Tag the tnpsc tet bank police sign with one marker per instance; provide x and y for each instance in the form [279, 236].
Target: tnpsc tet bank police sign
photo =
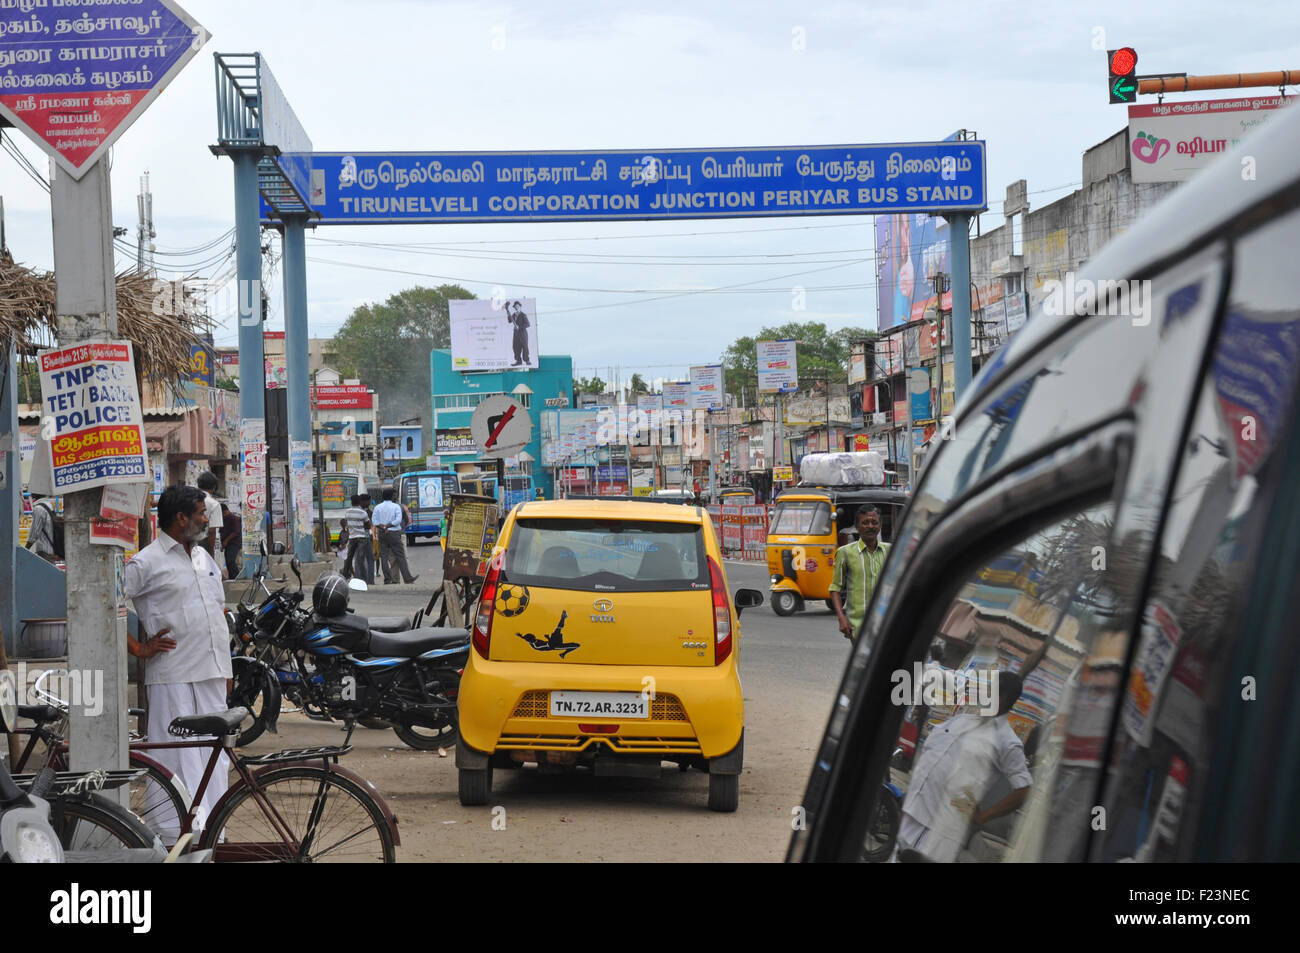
[384, 188]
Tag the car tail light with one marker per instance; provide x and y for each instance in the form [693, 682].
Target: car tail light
[721, 614]
[486, 603]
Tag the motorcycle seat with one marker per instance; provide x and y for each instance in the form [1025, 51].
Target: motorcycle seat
[415, 642]
[390, 623]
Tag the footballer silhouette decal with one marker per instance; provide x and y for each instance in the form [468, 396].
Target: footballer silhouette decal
[555, 642]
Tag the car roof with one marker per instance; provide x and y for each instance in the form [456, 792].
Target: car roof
[622, 509]
[1190, 217]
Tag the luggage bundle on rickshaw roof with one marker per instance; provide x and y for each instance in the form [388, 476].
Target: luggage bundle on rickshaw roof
[863, 468]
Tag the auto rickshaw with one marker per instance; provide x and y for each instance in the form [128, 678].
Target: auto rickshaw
[737, 496]
[808, 525]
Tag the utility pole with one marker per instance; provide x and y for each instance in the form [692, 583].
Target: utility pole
[86, 305]
[144, 231]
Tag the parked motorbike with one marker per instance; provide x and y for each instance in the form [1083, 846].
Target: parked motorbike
[337, 665]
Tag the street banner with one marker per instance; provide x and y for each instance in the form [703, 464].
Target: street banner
[677, 394]
[454, 441]
[341, 397]
[1171, 142]
[300, 474]
[119, 512]
[778, 367]
[706, 387]
[90, 411]
[918, 391]
[252, 468]
[493, 335]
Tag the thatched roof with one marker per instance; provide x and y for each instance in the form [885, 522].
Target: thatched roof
[161, 342]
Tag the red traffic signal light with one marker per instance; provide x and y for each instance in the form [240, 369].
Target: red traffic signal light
[1121, 84]
[1123, 61]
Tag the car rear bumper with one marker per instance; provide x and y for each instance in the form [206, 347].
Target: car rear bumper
[694, 712]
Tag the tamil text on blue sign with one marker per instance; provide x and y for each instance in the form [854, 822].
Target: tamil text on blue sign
[368, 188]
[90, 411]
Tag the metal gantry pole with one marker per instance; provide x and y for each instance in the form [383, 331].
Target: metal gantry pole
[248, 269]
[298, 398]
[959, 230]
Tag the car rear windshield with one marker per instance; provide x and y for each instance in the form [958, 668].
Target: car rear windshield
[607, 555]
[801, 518]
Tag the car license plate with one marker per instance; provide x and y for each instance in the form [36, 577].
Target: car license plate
[599, 705]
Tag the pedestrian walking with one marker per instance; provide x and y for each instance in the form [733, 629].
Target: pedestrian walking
[392, 555]
[857, 567]
[361, 558]
[208, 484]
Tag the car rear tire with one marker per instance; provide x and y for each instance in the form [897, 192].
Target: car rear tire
[475, 786]
[724, 792]
[785, 602]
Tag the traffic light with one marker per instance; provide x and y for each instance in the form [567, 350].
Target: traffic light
[1122, 82]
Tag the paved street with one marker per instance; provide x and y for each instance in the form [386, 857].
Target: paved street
[790, 669]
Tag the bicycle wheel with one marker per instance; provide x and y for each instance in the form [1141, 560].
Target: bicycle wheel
[330, 819]
[92, 822]
[159, 798]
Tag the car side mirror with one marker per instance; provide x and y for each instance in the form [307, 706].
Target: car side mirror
[747, 599]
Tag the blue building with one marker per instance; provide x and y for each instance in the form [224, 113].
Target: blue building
[455, 394]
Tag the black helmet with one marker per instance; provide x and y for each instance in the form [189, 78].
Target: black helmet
[330, 597]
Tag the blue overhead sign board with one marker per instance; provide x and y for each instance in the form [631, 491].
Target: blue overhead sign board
[362, 188]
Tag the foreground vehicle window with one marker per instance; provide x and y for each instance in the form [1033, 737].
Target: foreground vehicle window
[1010, 710]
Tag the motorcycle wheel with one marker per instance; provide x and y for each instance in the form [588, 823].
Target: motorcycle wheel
[883, 831]
[248, 691]
[425, 738]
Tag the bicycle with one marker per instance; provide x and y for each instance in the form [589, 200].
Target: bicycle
[284, 806]
[157, 797]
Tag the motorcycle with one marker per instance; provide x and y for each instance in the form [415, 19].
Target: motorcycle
[379, 673]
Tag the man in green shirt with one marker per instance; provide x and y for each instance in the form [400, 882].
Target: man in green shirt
[857, 567]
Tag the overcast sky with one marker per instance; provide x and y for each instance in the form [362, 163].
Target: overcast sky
[430, 76]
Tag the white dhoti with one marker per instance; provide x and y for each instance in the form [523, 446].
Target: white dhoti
[172, 700]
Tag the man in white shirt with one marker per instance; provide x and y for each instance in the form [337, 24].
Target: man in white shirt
[953, 772]
[208, 484]
[392, 556]
[176, 588]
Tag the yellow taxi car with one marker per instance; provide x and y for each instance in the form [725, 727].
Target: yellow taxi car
[604, 637]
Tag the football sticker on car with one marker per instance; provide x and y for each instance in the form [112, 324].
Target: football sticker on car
[511, 599]
[555, 642]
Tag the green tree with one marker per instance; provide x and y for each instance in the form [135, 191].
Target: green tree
[588, 385]
[637, 385]
[388, 345]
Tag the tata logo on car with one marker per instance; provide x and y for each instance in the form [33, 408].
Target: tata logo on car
[603, 609]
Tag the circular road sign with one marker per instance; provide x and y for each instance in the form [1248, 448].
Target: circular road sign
[500, 427]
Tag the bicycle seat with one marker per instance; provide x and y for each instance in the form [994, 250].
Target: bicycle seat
[389, 623]
[415, 642]
[213, 723]
[39, 713]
